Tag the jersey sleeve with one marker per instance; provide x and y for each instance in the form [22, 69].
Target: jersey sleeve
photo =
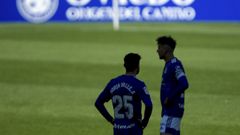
[105, 95]
[182, 82]
[179, 71]
[144, 95]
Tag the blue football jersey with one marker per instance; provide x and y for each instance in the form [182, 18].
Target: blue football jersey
[126, 93]
[174, 83]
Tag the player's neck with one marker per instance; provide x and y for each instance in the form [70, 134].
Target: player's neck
[168, 57]
[131, 73]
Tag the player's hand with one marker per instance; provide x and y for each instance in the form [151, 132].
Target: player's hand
[139, 123]
[112, 121]
[144, 123]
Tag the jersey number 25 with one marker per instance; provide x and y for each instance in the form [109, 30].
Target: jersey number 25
[123, 103]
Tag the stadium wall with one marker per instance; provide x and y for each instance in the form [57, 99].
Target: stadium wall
[40, 11]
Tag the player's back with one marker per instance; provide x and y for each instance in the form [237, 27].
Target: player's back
[126, 100]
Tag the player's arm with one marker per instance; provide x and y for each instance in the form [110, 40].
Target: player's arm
[147, 115]
[105, 96]
[148, 106]
[182, 83]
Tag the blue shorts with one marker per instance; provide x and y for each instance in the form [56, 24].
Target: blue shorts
[132, 129]
[170, 125]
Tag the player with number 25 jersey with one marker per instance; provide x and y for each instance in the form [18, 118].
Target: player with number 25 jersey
[127, 94]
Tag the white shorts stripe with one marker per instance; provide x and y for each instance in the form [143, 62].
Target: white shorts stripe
[169, 122]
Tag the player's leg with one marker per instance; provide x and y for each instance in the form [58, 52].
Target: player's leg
[177, 133]
[170, 125]
[165, 134]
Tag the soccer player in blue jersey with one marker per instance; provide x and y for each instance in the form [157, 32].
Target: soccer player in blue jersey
[174, 83]
[127, 94]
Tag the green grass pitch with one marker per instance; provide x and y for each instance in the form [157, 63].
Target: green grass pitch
[51, 74]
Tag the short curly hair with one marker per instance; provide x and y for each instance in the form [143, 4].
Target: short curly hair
[131, 61]
[166, 40]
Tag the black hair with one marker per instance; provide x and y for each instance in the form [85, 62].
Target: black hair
[166, 40]
[131, 61]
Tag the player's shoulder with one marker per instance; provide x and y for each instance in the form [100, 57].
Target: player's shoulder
[175, 62]
[136, 81]
[117, 78]
[141, 82]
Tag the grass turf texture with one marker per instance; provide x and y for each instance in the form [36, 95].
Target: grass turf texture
[50, 75]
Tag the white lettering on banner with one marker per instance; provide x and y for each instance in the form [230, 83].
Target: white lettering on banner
[157, 2]
[168, 13]
[89, 13]
[150, 10]
[138, 2]
[183, 2]
[104, 13]
[133, 2]
[78, 2]
[132, 13]
[123, 2]
[103, 2]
